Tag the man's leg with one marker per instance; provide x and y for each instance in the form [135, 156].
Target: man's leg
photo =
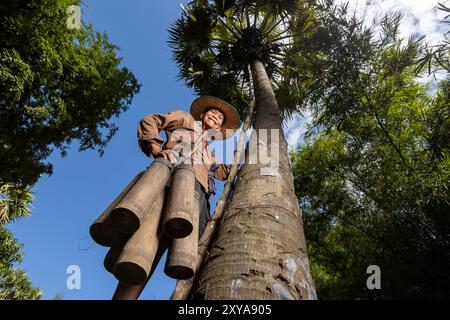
[204, 216]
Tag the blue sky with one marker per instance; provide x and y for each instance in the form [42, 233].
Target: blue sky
[83, 184]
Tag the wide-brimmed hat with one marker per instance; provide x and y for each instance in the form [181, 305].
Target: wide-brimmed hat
[231, 117]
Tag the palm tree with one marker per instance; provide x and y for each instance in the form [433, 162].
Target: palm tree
[15, 202]
[230, 48]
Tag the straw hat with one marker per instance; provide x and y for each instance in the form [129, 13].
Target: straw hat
[231, 117]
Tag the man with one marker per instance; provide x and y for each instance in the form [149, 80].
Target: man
[183, 129]
[207, 115]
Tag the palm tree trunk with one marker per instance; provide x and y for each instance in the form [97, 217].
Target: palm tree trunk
[260, 249]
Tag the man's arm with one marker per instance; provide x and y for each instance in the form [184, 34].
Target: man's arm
[149, 128]
[221, 171]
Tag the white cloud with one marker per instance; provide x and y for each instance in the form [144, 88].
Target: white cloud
[295, 128]
[420, 17]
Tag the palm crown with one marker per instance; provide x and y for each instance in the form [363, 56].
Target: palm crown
[215, 41]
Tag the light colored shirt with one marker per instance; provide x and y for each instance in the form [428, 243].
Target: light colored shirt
[181, 127]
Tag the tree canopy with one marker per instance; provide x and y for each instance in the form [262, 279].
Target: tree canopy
[215, 41]
[373, 175]
[57, 85]
[14, 283]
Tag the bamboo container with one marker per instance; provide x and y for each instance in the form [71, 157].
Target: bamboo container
[113, 254]
[130, 211]
[180, 208]
[182, 258]
[101, 230]
[134, 263]
[126, 291]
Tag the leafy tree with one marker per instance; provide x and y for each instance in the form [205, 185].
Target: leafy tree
[14, 283]
[57, 85]
[373, 174]
[58, 296]
[437, 57]
[14, 203]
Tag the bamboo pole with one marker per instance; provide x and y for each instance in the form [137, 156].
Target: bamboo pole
[180, 211]
[183, 287]
[131, 210]
[182, 256]
[101, 230]
[136, 259]
[114, 253]
[126, 291]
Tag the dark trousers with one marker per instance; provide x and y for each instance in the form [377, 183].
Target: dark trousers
[200, 196]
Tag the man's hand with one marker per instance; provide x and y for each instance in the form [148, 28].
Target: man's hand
[166, 154]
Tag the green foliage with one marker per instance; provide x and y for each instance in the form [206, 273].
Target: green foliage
[58, 296]
[14, 202]
[14, 283]
[373, 176]
[437, 57]
[10, 250]
[308, 47]
[215, 41]
[57, 85]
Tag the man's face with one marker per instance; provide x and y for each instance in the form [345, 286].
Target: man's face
[213, 119]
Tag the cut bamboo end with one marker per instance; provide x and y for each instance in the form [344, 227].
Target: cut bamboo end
[178, 228]
[181, 207]
[102, 230]
[104, 234]
[182, 269]
[125, 220]
[179, 272]
[182, 258]
[126, 291]
[111, 258]
[128, 214]
[130, 272]
[113, 254]
[136, 259]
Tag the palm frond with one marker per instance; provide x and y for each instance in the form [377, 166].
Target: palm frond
[15, 202]
[213, 43]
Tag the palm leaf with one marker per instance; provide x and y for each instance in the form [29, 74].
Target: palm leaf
[212, 42]
[15, 202]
